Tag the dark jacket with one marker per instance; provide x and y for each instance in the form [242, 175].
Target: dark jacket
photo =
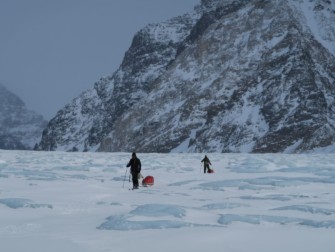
[206, 161]
[135, 165]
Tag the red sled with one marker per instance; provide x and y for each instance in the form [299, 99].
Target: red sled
[210, 170]
[148, 181]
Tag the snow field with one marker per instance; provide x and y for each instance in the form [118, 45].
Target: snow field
[57, 201]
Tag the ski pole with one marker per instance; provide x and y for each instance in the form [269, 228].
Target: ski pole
[125, 175]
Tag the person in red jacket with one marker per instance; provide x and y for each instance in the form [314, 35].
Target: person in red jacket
[206, 162]
[135, 169]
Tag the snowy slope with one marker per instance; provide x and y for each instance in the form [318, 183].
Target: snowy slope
[319, 17]
[69, 202]
[232, 76]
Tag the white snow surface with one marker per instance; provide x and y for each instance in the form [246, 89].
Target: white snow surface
[71, 202]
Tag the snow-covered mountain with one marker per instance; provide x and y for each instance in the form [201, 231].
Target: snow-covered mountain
[232, 76]
[20, 128]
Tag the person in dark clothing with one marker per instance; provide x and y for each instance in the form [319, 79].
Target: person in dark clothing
[206, 162]
[135, 169]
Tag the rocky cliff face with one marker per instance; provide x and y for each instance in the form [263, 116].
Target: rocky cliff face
[20, 128]
[234, 76]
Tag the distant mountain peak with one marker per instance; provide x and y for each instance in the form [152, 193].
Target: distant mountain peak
[20, 128]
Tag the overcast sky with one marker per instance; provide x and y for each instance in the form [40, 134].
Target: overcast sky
[52, 50]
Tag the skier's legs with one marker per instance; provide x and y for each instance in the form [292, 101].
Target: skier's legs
[135, 180]
[206, 168]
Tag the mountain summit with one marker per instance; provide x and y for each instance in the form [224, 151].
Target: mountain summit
[232, 76]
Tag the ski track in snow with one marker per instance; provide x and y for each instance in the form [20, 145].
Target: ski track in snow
[55, 194]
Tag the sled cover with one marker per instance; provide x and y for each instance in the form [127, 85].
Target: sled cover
[148, 181]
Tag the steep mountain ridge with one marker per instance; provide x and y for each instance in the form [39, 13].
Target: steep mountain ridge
[244, 76]
[20, 128]
[259, 88]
